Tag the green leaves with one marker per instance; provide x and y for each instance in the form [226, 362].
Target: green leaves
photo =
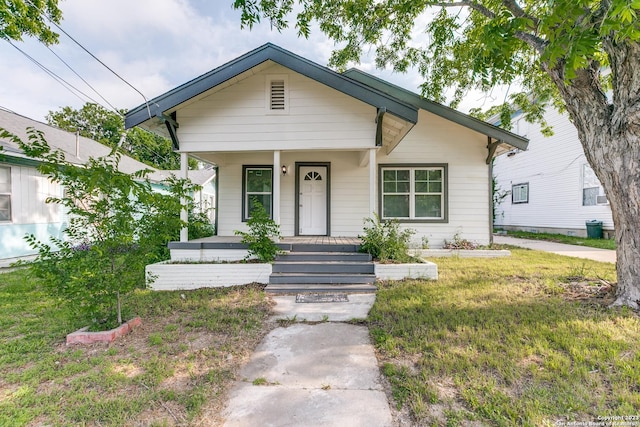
[20, 18]
[117, 224]
[262, 231]
[107, 127]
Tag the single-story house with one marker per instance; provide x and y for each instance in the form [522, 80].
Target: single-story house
[323, 150]
[550, 188]
[24, 190]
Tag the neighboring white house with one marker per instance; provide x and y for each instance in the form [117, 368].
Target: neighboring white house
[322, 150]
[23, 190]
[551, 186]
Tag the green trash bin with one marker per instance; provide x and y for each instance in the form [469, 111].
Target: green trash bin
[594, 229]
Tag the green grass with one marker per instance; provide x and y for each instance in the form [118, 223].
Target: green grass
[174, 369]
[508, 342]
[570, 240]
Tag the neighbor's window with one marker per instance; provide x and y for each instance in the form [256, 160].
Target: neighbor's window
[5, 194]
[413, 192]
[592, 191]
[257, 186]
[520, 193]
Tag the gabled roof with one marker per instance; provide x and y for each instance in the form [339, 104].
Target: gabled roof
[77, 149]
[269, 52]
[455, 116]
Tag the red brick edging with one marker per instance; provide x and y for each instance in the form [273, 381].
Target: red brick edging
[82, 336]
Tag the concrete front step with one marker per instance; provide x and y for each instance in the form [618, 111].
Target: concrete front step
[324, 257]
[320, 267]
[278, 278]
[294, 288]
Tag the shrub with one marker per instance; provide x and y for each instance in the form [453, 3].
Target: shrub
[117, 225]
[262, 232]
[385, 241]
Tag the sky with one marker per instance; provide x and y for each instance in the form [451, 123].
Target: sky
[155, 45]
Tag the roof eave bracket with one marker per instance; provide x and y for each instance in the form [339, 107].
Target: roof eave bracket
[172, 128]
[492, 147]
[379, 117]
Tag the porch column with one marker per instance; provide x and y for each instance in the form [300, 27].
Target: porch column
[184, 214]
[372, 181]
[276, 186]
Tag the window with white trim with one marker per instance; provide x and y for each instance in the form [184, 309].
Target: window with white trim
[592, 190]
[257, 187]
[5, 194]
[413, 192]
[520, 193]
[277, 95]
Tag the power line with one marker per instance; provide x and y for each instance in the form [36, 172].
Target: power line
[53, 75]
[92, 55]
[85, 82]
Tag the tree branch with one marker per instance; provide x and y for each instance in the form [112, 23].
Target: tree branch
[471, 4]
[531, 39]
[518, 12]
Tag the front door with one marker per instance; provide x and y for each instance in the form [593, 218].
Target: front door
[312, 201]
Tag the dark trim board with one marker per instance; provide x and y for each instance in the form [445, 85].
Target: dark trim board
[297, 195]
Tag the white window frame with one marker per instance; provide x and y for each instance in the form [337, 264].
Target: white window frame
[517, 197]
[5, 193]
[246, 194]
[412, 168]
[269, 79]
[587, 183]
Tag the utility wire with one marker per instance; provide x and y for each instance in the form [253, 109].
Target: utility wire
[56, 77]
[92, 55]
[85, 82]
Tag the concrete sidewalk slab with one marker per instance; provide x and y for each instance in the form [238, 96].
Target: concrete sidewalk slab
[323, 374]
[357, 307]
[603, 255]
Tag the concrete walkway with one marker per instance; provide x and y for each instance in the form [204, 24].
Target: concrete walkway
[322, 374]
[604, 255]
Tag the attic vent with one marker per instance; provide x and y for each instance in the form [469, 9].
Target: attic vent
[277, 95]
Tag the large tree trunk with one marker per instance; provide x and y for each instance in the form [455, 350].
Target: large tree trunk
[619, 171]
[609, 130]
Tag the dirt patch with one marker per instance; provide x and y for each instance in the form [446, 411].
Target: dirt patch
[175, 362]
[594, 290]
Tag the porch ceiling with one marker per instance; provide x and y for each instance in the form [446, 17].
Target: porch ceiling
[393, 130]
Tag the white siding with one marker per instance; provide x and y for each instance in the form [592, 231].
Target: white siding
[236, 118]
[436, 140]
[349, 190]
[553, 168]
[29, 191]
[234, 128]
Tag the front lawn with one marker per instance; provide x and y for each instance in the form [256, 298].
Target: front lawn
[526, 340]
[569, 240]
[173, 370]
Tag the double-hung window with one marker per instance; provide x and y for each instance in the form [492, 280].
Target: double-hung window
[257, 187]
[5, 194]
[414, 192]
[520, 193]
